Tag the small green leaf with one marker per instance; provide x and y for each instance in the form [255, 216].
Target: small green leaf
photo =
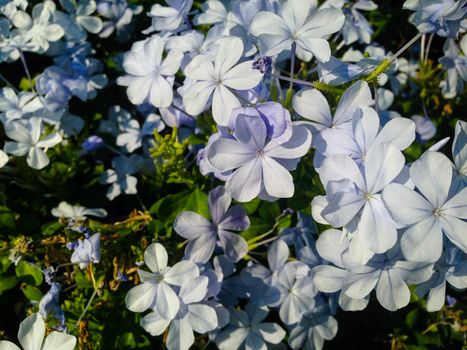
[7, 282]
[29, 274]
[31, 292]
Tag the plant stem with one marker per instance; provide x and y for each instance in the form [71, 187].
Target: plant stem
[86, 308]
[428, 47]
[26, 69]
[292, 63]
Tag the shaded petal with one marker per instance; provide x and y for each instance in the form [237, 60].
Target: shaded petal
[376, 229]
[456, 230]
[296, 147]
[391, 291]
[202, 318]
[227, 154]
[400, 132]
[218, 201]
[356, 96]
[423, 241]
[196, 97]
[433, 184]
[235, 246]
[382, 164]
[200, 249]
[235, 219]
[245, 182]
[328, 279]
[312, 105]
[191, 225]
[406, 206]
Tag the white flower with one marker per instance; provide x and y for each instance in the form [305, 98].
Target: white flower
[27, 135]
[31, 337]
[15, 106]
[297, 23]
[218, 80]
[39, 29]
[76, 212]
[149, 78]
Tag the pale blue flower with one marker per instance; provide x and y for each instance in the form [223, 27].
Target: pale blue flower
[87, 251]
[27, 140]
[312, 330]
[132, 135]
[442, 17]
[432, 212]
[31, 335]
[50, 305]
[169, 18]
[313, 106]
[76, 212]
[424, 127]
[367, 133]
[78, 19]
[260, 165]
[246, 331]
[121, 176]
[15, 106]
[353, 197]
[203, 235]
[40, 29]
[218, 82]
[156, 290]
[119, 14]
[150, 77]
[193, 316]
[450, 268]
[455, 66]
[297, 23]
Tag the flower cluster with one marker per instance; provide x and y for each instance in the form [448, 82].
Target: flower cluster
[259, 113]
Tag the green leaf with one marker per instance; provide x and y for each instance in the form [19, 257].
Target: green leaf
[7, 217]
[197, 201]
[31, 292]
[257, 227]
[269, 211]
[7, 282]
[29, 274]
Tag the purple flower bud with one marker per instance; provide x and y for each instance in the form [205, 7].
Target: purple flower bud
[92, 143]
[122, 277]
[72, 245]
[263, 64]
[451, 300]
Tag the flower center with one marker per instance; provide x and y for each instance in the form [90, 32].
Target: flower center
[437, 212]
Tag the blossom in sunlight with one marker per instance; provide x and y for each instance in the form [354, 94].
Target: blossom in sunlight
[298, 23]
[31, 336]
[156, 290]
[149, 76]
[220, 81]
[261, 165]
[431, 211]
